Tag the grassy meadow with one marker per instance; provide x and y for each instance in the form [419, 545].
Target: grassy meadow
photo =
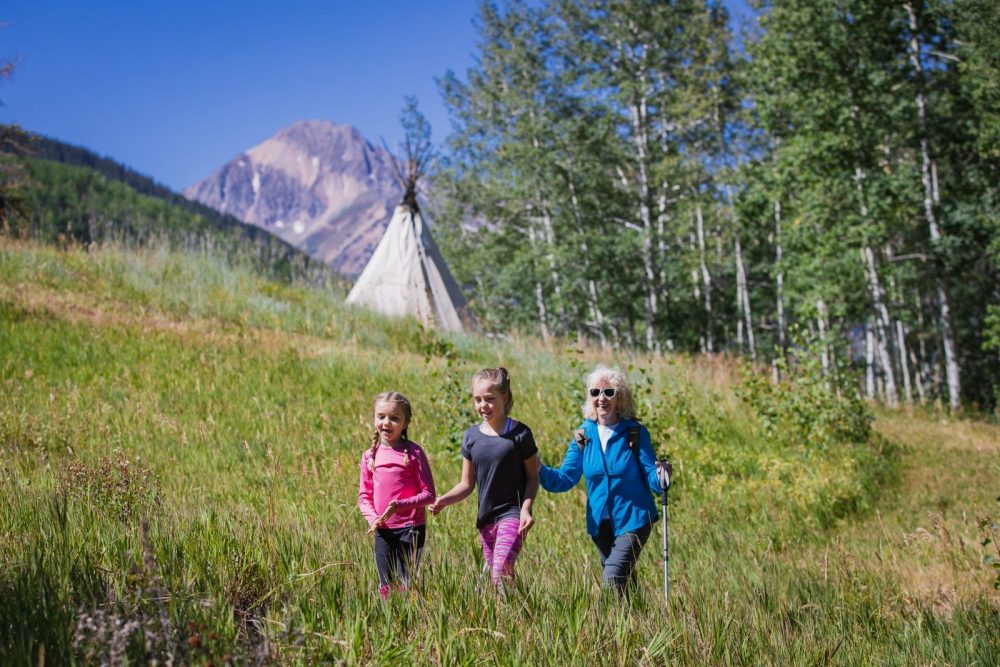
[179, 446]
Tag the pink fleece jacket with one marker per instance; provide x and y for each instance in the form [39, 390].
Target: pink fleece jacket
[410, 485]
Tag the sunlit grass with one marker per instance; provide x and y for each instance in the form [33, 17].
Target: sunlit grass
[230, 412]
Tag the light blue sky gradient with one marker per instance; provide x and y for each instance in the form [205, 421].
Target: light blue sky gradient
[176, 89]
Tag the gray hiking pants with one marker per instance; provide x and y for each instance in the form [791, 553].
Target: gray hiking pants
[618, 554]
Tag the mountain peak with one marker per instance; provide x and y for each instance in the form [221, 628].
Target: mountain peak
[321, 131]
[320, 186]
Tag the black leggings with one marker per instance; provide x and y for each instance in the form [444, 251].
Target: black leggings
[397, 553]
[618, 554]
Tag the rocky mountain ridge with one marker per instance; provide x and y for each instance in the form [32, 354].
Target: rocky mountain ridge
[321, 187]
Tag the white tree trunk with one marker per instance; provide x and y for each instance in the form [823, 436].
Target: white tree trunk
[743, 294]
[640, 141]
[779, 282]
[900, 335]
[543, 316]
[549, 238]
[706, 279]
[550, 244]
[882, 324]
[744, 298]
[904, 366]
[918, 377]
[596, 316]
[869, 361]
[882, 319]
[924, 374]
[662, 203]
[931, 201]
[696, 291]
[824, 350]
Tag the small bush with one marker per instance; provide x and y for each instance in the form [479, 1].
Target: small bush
[121, 487]
[807, 407]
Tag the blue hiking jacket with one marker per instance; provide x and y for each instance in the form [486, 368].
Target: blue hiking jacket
[612, 477]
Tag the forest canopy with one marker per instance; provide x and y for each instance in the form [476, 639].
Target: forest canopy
[828, 180]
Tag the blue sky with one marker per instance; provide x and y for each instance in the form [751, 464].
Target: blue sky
[176, 89]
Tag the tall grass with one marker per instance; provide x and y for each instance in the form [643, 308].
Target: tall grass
[179, 441]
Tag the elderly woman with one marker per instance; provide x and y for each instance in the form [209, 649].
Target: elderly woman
[613, 452]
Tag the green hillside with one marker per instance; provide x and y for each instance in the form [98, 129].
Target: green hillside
[185, 392]
[72, 194]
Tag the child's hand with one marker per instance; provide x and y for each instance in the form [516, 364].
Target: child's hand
[380, 522]
[527, 521]
[437, 506]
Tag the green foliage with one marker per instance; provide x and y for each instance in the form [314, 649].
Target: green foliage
[68, 204]
[991, 543]
[14, 181]
[807, 408]
[242, 406]
[616, 154]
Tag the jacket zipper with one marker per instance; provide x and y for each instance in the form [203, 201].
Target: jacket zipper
[607, 478]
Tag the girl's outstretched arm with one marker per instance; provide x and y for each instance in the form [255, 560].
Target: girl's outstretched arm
[426, 494]
[460, 491]
[531, 466]
[567, 475]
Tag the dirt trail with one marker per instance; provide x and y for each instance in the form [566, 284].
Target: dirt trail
[927, 532]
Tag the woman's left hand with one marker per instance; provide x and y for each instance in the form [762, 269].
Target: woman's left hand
[527, 521]
[663, 472]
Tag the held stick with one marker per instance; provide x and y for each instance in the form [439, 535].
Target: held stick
[665, 470]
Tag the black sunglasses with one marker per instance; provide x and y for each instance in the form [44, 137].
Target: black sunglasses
[607, 391]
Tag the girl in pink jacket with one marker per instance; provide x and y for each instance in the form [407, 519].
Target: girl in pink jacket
[395, 486]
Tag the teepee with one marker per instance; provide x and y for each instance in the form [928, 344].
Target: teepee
[407, 275]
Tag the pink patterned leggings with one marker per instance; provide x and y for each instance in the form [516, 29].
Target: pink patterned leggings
[501, 545]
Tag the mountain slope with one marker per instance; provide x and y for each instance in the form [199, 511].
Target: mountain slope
[83, 205]
[321, 187]
[75, 194]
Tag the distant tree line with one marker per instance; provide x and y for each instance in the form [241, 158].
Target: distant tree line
[833, 182]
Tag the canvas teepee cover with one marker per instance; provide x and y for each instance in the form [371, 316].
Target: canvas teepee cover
[407, 276]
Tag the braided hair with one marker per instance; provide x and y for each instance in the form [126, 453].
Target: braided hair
[403, 402]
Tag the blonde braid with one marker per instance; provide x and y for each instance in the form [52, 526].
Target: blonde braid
[406, 453]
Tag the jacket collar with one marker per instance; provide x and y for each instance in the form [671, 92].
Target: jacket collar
[616, 427]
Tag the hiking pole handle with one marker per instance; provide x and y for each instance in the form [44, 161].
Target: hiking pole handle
[664, 472]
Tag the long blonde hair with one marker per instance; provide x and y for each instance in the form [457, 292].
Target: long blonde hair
[498, 378]
[403, 402]
[617, 379]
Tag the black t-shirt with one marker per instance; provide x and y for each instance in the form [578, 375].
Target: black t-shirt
[499, 464]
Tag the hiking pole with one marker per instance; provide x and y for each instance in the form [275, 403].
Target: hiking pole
[664, 470]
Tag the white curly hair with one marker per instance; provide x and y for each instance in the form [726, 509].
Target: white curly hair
[617, 379]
